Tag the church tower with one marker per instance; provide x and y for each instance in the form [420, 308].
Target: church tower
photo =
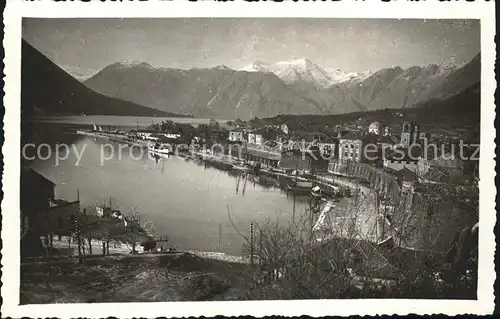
[407, 134]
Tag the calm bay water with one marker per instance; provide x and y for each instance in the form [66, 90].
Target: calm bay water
[185, 200]
[121, 121]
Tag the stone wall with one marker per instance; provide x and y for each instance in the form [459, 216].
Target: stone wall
[428, 220]
[433, 220]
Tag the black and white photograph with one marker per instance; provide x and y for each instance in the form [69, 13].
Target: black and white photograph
[251, 159]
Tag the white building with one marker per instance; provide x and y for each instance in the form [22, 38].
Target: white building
[400, 158]
[237, 135]
[399, 164]
[284, 129]
[387, 131]
[350, 147]
[374, 128]
[144, 134]
[171, 135]
[255, 138]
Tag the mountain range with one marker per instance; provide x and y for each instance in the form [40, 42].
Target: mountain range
[259, 90]
[48, 90]
[306, 71]
[290, 87]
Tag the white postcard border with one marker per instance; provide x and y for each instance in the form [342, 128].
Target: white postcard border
[356, 9]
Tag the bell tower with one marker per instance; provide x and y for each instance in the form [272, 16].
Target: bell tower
[407, 134]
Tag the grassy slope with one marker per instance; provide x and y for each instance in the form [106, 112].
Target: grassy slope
[146, 278]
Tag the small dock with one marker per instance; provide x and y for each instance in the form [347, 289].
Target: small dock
[122, 138]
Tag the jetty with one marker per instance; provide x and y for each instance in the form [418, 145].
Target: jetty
[115, 137]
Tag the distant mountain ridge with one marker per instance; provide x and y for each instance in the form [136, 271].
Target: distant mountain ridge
[218, 91]
[295, 70]
[290, 87]
[48, 90]
[305, 70]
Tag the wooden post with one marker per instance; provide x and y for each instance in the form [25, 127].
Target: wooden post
[134, 218]
[251, 243]
[90, 244]
[70, 253]
[78, 228]
[83, 248]
[220, 234]
[260, 248]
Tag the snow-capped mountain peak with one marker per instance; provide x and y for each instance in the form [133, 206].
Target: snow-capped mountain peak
[338, 75]
[302, 63]
[257, 66]
[303, 69]
[222, 67]
[293, 70]
[132, 64]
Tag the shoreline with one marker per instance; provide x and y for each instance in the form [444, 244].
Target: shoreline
[63, 247]
[226, 162]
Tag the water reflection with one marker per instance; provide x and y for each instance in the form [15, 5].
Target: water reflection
[185, 199]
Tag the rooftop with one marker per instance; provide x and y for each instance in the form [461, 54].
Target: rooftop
[388, 139]
[29, 174]
[350, 135]
[238, 129]
[406, 175]
[264, 154]
[404, 154]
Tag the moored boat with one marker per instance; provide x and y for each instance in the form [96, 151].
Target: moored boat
[159, 149]
[300, 187]
[240, 168]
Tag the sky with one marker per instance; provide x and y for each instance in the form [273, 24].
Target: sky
[84, 46]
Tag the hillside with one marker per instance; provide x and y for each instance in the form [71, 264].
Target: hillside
[290, 87]
[218, 91]
[386, 88]
[257, 94]
[173, 90]
[48, 90]
[459, 113]
[126, 278]
[335, 91]
[460, 79]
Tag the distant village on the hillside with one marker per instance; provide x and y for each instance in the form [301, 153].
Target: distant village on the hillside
[430, 158]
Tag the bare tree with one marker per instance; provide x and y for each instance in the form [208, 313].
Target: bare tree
[358, 251]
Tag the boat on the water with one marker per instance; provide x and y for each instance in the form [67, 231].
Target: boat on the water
[300, 187]
[89, 133]
[325, 193]
[298, 190]
[241, 168]
[160, 149]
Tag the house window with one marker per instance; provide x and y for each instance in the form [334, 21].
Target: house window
[345, 154]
